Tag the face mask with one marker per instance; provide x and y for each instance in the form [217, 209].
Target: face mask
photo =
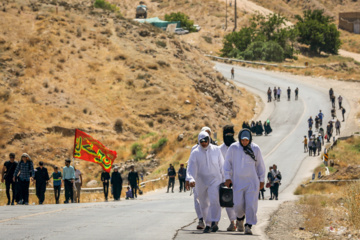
[228, 140]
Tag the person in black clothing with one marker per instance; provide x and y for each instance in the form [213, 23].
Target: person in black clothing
[7, 176]
[288, 93]
[275, 93]
[331, 93]
[269, 94]
[182, 177]
[269, 177]
[105, 177]
[296, 93]
[333, 100]
[41, 178]
[171, 175]
[116, 184]
[343, 111]
[133, 179]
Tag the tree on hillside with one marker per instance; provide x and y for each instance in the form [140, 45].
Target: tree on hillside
[184, 20]
[318, 31]
[267, 38]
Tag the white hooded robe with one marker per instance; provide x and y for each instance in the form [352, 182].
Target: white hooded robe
[205, 168]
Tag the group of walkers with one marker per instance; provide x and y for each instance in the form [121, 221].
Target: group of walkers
[258, 128]
[276, 92]
[237, 164]
[181, 176]
[312, 143]
[18, 176]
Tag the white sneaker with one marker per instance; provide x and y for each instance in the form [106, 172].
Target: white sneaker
[248, 230]
[200, 225]
[231, 227]
[240, 225]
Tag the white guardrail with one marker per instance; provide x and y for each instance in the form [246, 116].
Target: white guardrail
[100, 189]
[256, 63]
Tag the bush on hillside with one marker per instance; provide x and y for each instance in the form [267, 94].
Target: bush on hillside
[136, 150]
[184, 20]
[159, 145]
[106, 5]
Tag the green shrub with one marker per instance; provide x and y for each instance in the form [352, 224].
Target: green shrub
[136, 150]
[184, 20]
[160, 44]
[254, 51]
[159, 145]
[272, 51]
[105, 5]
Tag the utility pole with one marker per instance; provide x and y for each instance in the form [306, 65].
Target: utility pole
[235, 16]
[226, 16]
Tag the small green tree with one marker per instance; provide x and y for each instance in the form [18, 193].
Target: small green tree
[106, 5]
[318, 31]
[250, 42]
[184, 20]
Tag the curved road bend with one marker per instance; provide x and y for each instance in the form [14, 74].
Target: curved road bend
[158, 215]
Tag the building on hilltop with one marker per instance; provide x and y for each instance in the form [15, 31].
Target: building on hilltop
[350, 21]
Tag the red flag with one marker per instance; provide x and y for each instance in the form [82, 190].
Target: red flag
[90, 149]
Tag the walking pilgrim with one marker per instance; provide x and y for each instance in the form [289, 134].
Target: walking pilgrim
[244, 168]
[205, 168]
[228, 136]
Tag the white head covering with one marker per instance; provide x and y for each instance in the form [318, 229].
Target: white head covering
[206, 129]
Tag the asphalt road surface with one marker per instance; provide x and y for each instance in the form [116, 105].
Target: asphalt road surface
[160, 215]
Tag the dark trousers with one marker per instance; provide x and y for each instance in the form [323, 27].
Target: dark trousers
[288, 97]
[106, 189]
[69, 192]
[171, 184]
[340, 103]
[276, 189]
[337, 131]
[271, 191]
[24, 190]
[182, 184]
[296, 96]
[57, 193]
[134, 190]
[9, 183]
[40, 191]
[262, 194]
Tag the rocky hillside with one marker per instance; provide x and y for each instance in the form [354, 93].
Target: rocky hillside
[122, 82]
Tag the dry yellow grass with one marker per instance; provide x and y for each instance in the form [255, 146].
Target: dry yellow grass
[322, 203]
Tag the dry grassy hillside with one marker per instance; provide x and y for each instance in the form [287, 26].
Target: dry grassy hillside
[120, 81]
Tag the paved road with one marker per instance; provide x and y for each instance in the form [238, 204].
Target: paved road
[159, 215]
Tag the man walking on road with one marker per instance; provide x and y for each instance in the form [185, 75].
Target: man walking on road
[337, 127]
[343, 111]
[68, 180]
[205, 171]
[340, 99]
[171, 176]
[296, 93]
[56, 176]
[25, 172]
[41, 180]
[182, 177]
[278, 92]
[228, 136]
[244, 168]
[78, 184]
[232, 73]
[269, 94]
[305, 144]
[7, 175]
[275, 93]
[276, 178]
[133, 180]
[288, 93]
[321, 117]
[105, 179]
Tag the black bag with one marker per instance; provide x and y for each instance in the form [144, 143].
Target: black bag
[226, 196]
[279, 176]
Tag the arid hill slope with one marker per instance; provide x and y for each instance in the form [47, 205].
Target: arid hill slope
[85, 68]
